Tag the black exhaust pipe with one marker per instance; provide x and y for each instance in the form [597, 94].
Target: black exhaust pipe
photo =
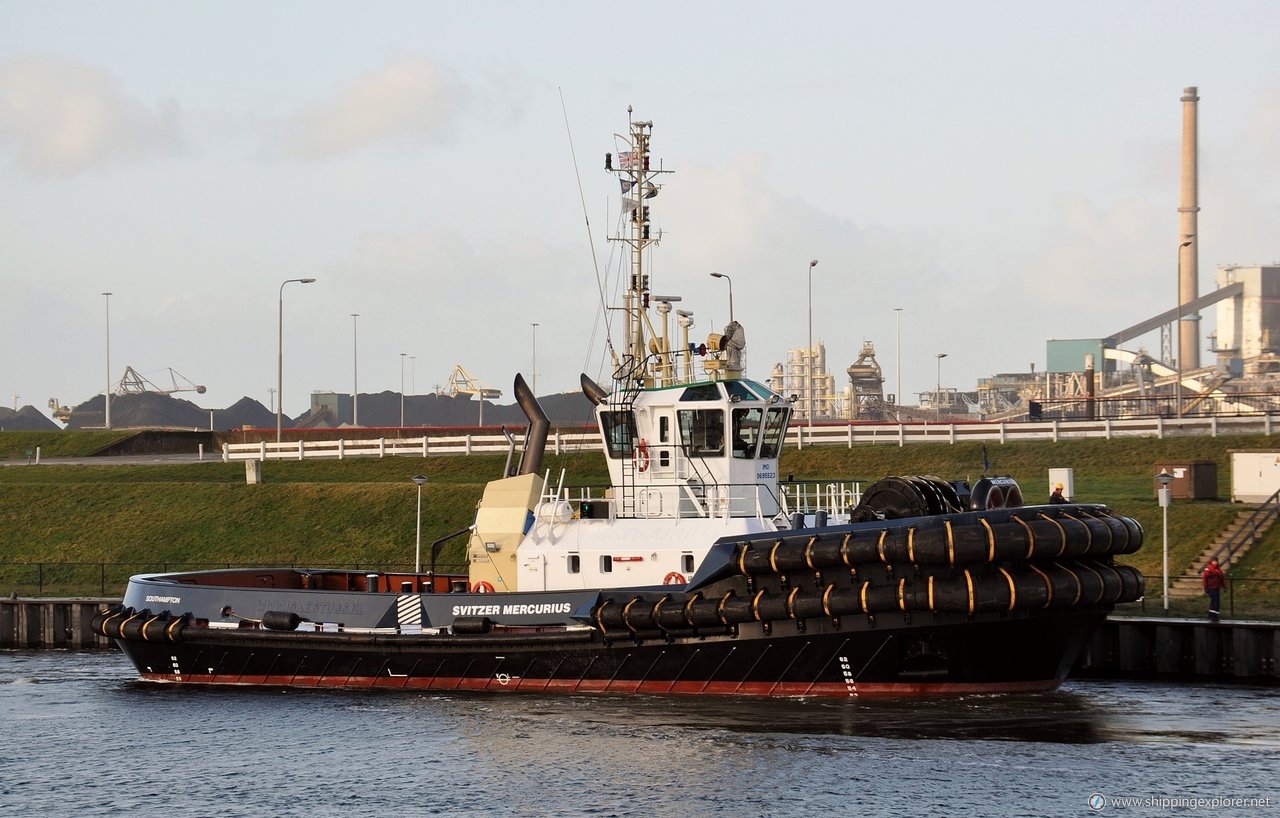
[594, 391]
[535, 443]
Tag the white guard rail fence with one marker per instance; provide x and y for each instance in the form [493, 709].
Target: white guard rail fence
[822, 434]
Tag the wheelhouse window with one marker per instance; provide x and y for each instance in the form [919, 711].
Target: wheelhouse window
[701, 391]
[619, 433]
[742, 391]
[746, 431]
[775, 428]
[702, 432]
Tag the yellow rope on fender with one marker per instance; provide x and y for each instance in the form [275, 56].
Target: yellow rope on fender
[1031, 536]
[991, 540]
[1013, 591]
[1048, 584]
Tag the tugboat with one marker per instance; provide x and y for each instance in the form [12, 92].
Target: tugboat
[697, 571]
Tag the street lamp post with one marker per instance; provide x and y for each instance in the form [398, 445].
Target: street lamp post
[809, 352]
[1164, 479]
[937, 394]
[403, 355]
[419, 479]
[280, 357]
[897, 342]
[355, 370]
[107, 394]
[1177, 388]
[535, 367]
[730, 280]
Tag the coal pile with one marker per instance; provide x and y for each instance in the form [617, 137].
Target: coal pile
[26, 419]
[328, 410]
[155, 411]
[383, 409]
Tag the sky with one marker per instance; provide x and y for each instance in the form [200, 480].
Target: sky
[1003, 172]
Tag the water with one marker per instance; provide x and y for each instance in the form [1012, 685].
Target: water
[79, 737]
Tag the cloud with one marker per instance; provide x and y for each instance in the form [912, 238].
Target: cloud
[408, 100]
[67, 117]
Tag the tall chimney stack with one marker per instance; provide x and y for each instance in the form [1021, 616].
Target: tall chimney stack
[1188, 240]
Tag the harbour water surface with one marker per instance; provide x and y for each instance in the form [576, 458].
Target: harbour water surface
[82, 738]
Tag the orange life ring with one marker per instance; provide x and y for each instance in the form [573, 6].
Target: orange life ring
[482, 587]
[674, 578]
[641, 456]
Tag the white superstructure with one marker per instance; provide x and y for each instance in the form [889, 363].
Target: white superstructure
[692, 446]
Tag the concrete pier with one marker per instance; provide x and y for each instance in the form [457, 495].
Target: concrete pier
[1188, 649]
[51, 623]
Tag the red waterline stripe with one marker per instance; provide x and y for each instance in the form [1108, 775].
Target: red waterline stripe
[542, 685]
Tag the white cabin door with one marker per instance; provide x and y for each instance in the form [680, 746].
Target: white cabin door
[663, 450]
[533, 572]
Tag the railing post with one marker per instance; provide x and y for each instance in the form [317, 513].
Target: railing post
[382, 447]
[226, 452]
[424, 445]
[262, 450]
[342, 448]
[301, 445]
[902, 435]
[851, 435]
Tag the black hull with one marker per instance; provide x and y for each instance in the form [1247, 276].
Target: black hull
[893, 654]
[1002, 600]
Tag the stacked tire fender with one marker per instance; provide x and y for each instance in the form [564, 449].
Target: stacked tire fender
[977, 562]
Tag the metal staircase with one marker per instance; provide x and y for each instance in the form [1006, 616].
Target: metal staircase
[1230, 546]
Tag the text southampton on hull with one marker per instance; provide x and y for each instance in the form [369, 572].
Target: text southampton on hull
[694, 571]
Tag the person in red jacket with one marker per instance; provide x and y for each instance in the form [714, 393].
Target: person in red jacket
[1214, 581]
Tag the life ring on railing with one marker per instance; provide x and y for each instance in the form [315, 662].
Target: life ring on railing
[641, 456]
[482, 587]
[675, 578]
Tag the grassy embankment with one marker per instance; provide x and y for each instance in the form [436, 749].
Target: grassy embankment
[361, 512]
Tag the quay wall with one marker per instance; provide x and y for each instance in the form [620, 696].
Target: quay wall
[51, 623]
[1190, 649]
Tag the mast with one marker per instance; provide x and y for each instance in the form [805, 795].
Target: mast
[636, 175]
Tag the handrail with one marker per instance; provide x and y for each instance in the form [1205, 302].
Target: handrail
[1269, 508]
[824, 433]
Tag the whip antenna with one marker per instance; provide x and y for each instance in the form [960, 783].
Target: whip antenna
[595, 262]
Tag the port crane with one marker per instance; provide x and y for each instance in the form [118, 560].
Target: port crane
[462, 382]
[133, 382]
